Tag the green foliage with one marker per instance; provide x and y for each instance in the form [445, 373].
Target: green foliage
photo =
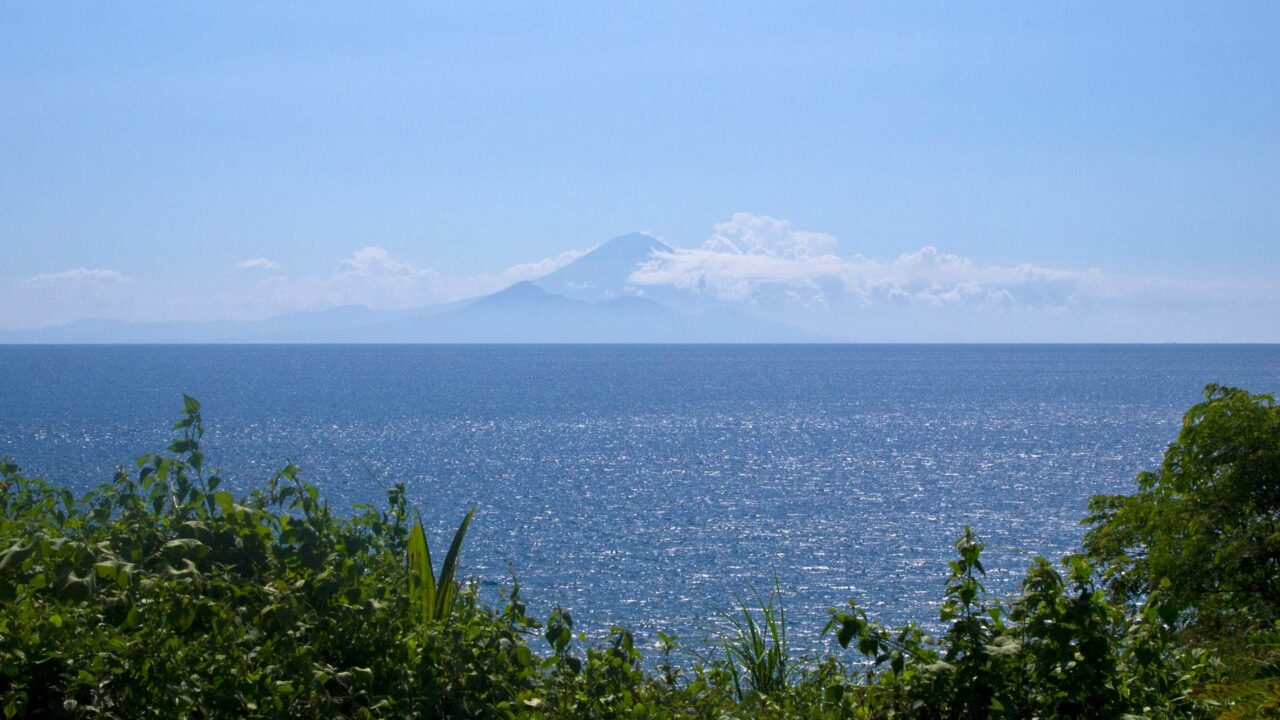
[756, 650]
[1070, 637]
[1203, 530]
[1258, 697]
[1062, 650]
[160, 595]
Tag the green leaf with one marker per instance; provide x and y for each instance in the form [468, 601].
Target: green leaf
[448, 590]
[225, 501]
[185, 547]
[847, 630]
[422, 582]
[15, 555]
[114, 571]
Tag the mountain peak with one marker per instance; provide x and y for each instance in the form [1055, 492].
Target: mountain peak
[636, 242]
[602, 273]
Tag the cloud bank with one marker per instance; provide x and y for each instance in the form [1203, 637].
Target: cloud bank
[754, 258]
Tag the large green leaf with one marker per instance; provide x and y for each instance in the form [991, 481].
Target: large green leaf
[422, 582]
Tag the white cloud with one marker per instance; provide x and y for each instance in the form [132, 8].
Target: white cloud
[258, 263]
[76, 276]
[535, 270]
[752, 257]
[747, 234]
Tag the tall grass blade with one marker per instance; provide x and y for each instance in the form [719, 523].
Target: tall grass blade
[756, 649]
[448, 589]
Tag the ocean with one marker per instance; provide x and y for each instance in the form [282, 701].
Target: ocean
[648, 486]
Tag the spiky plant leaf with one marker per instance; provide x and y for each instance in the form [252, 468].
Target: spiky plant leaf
[448, 589]
[422, 582]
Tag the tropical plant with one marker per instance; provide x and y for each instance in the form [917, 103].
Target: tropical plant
[756, 649]
[430, 597]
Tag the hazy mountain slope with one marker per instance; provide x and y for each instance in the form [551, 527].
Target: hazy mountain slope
[525, 312]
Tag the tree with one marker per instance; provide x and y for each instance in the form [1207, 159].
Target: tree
[1204, 529]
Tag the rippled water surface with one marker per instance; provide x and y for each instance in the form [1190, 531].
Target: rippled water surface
[645, 485]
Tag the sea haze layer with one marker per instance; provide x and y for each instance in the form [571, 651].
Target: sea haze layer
[646, 485]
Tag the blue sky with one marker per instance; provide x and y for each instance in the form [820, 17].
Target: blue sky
[148, 151]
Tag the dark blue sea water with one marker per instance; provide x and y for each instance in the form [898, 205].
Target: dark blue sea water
[645, 485]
